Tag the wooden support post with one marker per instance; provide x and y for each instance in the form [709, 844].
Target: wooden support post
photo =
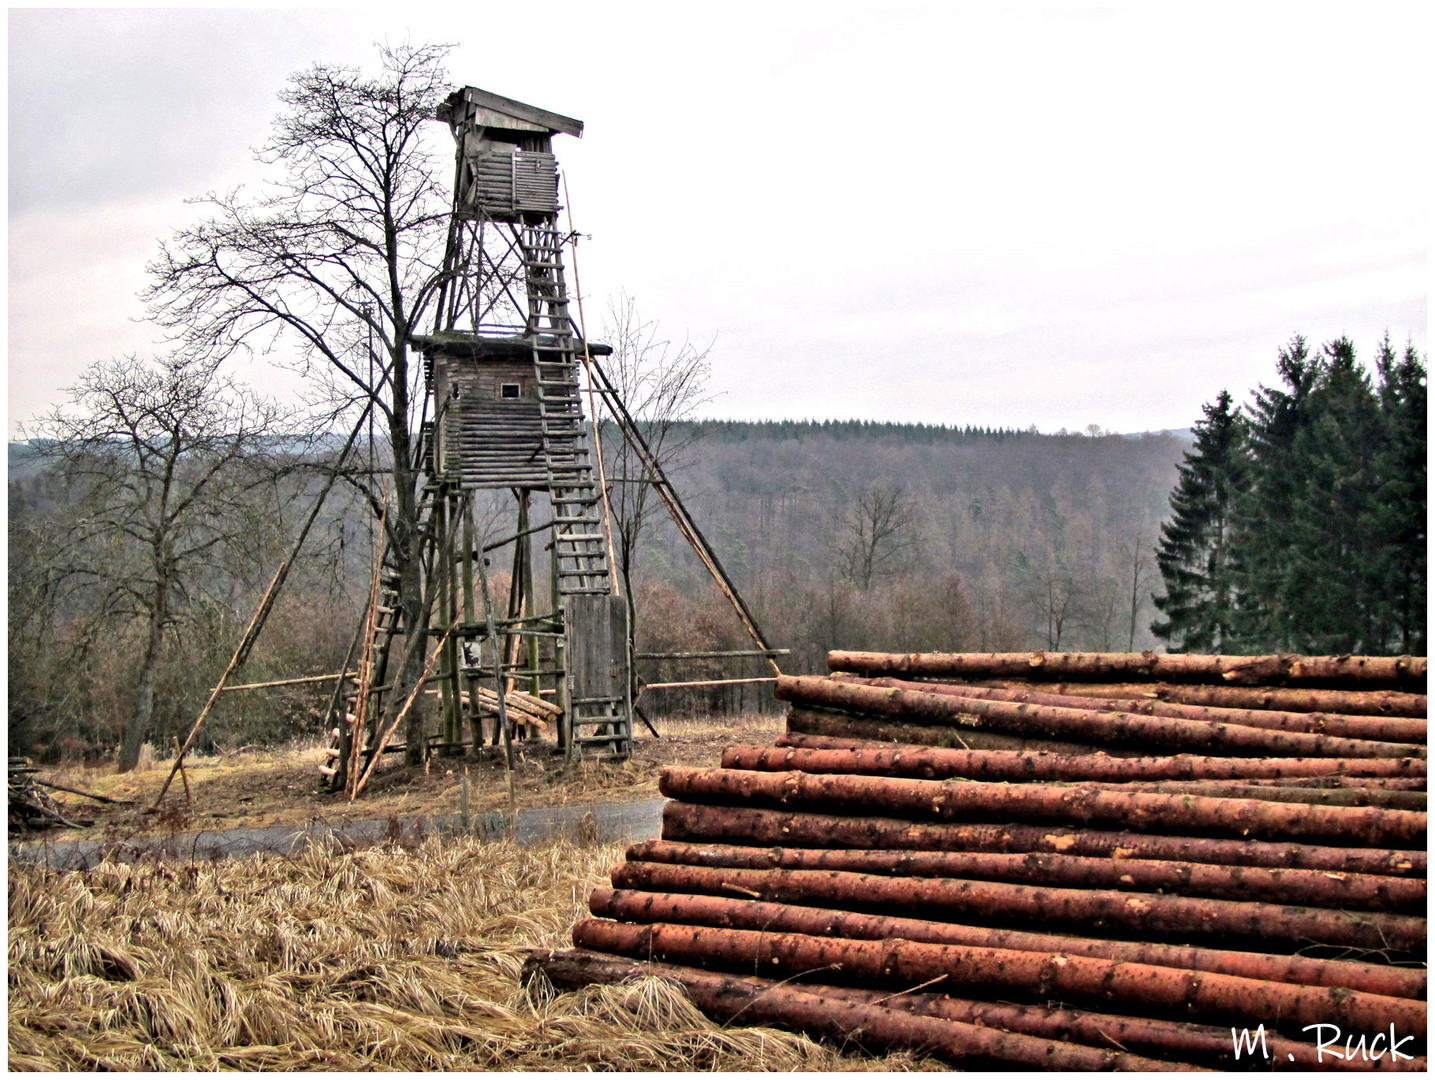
[448, 670]
[530, 598]
[475, 718]
[560, 661]
[499, 689]
[179, 764]
[512, 640]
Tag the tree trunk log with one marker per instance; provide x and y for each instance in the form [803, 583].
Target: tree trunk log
[1394, 672]
[870, 729]
[1407, 729]
[908, 963]
[950, 800]
[1308, 887]
[845, 1018]
[752, 825]
[1100, 728]
[811, 754]
[1209, 1045]
[1099, 909]
[1395, 792]
[1349, 702]
[627, 905]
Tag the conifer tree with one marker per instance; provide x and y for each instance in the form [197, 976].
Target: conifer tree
[1332, 541]
[1399, 573]
[1194, 554]
[1263, 531]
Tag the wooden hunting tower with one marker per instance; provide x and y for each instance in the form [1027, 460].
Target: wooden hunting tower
[502, 367]
[503, 364]
[503, 370]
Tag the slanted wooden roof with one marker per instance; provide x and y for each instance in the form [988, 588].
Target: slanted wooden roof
[492, 110]
[460, 343]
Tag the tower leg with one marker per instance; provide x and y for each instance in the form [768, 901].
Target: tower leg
[475, 716]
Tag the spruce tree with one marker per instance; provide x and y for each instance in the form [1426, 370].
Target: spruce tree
[1263, 531]
[1194, 554]
[1326, 588]
[1399, 573]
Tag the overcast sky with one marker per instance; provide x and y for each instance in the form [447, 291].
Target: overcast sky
[999, 213]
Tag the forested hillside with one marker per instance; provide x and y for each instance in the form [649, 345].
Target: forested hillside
[888, 536]
[839, 534]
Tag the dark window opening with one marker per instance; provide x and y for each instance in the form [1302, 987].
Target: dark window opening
[508, 390]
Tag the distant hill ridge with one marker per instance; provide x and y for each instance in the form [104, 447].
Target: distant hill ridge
[740, 430]
[22, 454]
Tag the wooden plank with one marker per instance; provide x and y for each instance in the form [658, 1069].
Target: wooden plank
[519, 110]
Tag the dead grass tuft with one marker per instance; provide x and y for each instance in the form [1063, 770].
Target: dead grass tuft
[376, 959]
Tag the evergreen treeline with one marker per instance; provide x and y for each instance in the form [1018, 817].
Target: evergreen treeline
[1298, 523]
[743, 430]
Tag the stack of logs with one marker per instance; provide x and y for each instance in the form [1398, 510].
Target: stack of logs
[1136, 862]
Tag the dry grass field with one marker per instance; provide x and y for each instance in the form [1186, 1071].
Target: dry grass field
[282, 787]
[383, 958]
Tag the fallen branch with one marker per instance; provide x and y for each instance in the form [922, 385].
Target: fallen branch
[84, 794]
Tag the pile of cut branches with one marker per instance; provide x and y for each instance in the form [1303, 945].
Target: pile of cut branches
[31, 806]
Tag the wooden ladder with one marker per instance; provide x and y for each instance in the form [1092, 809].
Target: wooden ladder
[389, 625]
[600, 725]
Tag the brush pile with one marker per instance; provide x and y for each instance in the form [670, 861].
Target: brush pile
[1079, 861]
[31, 806]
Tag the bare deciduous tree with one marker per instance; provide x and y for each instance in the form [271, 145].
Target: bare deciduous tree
[1055, 596]
[1136, 557]
[167, 463]
[880, 531]
[662, 384]
[344, 248]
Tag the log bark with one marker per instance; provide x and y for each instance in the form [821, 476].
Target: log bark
[1100, 728]
[1207, 1044]
[908, 963]
[870, 729]
[753, 825]
[1305, 887]
[844, 1018]
[1350, 702]
[1276, 791]
[873, 729]
[956, 800]
[1393, 672]
[626, 905]
[1407, 729]
[1100, 909]
[811, 754]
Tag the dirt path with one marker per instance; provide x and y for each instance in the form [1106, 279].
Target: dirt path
[616, 821]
